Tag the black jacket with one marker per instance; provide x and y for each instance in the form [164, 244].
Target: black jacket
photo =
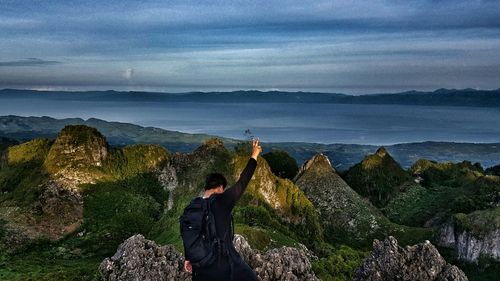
[222, 206]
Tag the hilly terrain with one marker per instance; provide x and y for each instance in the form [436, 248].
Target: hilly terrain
[68, 202]
[120, 134]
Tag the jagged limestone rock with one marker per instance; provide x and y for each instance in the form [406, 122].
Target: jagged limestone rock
[140, 259]
[389, 261]
[342, 209]
[190, 168]
[76, 156]
[167, 177]
[279, 264]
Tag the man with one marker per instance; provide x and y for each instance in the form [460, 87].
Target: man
[222, 206]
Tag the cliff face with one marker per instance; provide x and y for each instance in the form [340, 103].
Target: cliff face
[140, 259]
[389, 261]
[473, 235]
[343, 211]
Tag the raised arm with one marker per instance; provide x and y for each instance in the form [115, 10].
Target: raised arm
[234, 193]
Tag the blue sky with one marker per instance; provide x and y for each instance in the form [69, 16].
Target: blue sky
[330, 46]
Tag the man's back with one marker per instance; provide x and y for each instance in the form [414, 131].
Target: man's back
[222, 204]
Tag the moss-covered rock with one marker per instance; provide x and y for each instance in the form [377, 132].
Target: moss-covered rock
[282, 196]
[377, 177]
[446, 173]
[346, 216]
[77, 155]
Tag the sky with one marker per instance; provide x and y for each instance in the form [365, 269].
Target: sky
[354, 47]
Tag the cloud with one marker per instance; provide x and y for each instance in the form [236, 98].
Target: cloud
[128, 73]
[201, 45]
[29, 62]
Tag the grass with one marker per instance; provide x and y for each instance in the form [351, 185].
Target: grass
[479, 223]
[418, 204]
[338, 263]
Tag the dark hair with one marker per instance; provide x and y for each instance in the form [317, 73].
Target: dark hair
[214, 180]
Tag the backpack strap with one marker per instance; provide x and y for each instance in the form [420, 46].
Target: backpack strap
[222, 246]
[210, 223]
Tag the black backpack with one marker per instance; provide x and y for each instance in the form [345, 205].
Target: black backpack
[197, 226]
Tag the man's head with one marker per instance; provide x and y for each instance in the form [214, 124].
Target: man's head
[215, 180]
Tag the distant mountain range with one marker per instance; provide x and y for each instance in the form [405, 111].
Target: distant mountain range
[440, 97]
[119, 134]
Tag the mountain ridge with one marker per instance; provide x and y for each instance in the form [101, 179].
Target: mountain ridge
[120, 134]
[439, 97]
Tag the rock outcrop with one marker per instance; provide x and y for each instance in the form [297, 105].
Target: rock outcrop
[140, 259]
[473, 235]
[377, 177]
[342, 209]
[76, 156]
[42, 178]
[389, 261]
[285, 263]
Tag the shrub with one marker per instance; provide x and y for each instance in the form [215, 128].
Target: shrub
[282, 164]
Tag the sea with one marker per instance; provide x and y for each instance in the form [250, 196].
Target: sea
[285, 122]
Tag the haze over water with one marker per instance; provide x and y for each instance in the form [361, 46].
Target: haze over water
[281, 122]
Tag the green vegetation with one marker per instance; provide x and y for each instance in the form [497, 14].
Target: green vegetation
[134, 160]
[446, 189]
[283, 198]
[447, 174]
[418, 204]
[495, 170]
[22, 173]
[378, 177]
[122, 196]
[118, 210]
[282, 164]
[479, 223]
[338, 264]
[485, 269]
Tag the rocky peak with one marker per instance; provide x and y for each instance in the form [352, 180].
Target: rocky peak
[76, 153]
[378, 177]
[318, 164]
[138, 258]
[389, 261]
[381, 151]
[342, 209]
[211, 144]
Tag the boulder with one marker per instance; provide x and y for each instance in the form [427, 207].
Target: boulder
[140, 259]
[389, 261]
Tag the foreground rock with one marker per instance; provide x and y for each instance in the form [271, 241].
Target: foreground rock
[389, 261]
[140, 259]
[285, 263]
